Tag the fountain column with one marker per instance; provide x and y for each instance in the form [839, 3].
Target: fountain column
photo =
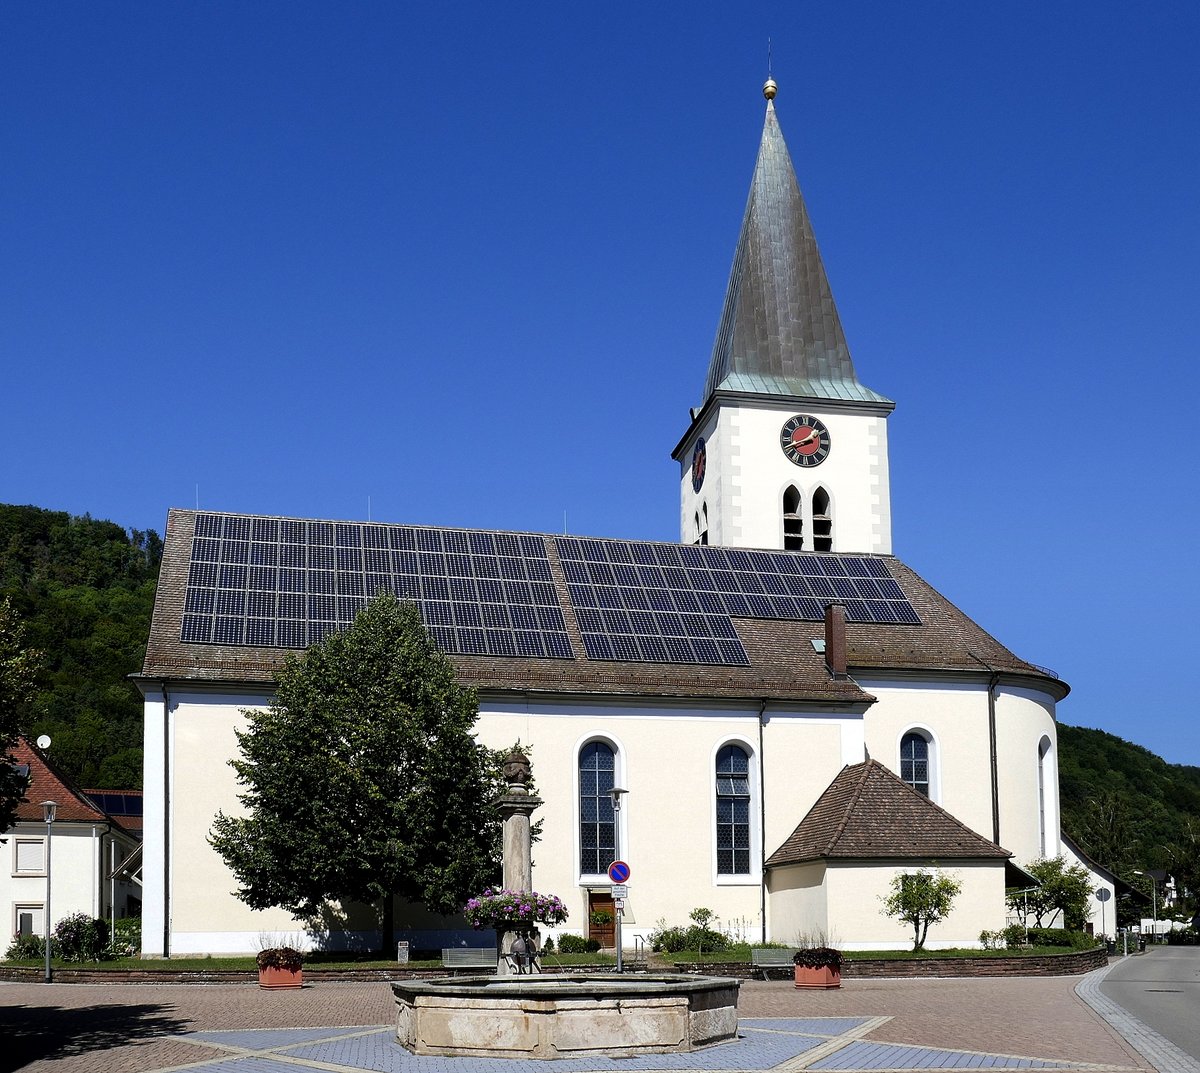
[515, 807]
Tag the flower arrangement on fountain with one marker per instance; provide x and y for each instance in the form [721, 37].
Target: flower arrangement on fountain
[514, 910]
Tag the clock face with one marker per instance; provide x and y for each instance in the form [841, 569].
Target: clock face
[805, 440]
[699, 463]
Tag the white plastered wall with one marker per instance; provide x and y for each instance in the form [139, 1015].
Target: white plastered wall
[1102, 906]
[748, 473]
[77, 858]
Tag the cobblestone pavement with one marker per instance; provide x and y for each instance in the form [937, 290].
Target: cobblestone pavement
[340, 1027]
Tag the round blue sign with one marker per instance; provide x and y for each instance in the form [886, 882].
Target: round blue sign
[618, 872]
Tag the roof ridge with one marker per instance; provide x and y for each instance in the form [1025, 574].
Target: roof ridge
[851, 804]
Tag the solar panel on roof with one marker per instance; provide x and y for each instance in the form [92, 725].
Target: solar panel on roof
[669, 586]
[481, 593]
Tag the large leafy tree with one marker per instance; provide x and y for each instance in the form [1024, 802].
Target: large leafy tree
[363, 780]
[1063, 886]
[18, 667]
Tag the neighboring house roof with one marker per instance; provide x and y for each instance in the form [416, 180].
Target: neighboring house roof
[125, 806]
[780, 661]
[46, 784]
[867, 812]
[779, 332]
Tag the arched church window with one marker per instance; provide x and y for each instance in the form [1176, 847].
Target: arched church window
[703, 523]
[915, 761]
[793, 521]
[822, 521]
[597, 828]
[1042, 775]
[733, 811]
[697, 528]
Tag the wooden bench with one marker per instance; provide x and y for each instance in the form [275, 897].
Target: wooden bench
[469, 957]
[764, 958]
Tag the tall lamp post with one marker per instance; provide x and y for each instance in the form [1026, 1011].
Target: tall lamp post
[616, 793]
[49, 808]
[1153, 897]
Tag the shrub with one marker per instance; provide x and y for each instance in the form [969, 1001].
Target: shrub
[548, 945]
[280, 957]
[698, 937]
[1072, 940]
[577, 944]
[991, 940]
[819, 957]
[1014, 936]
[25, 948]
[128, 940]
[81, 938]
[1183, 937]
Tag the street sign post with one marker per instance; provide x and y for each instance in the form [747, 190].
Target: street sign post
[618, 872]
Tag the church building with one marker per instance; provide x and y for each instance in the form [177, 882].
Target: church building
[795, 716]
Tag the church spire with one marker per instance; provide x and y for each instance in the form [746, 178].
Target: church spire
[779, 332]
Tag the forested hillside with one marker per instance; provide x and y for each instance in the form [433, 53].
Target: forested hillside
[85, 590]
[1128, 808]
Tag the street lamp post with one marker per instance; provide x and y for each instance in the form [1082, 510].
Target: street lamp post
[1153, 898]
[616, 793]
[49, 808]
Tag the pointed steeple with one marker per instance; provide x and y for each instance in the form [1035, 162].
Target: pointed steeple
[780, 333]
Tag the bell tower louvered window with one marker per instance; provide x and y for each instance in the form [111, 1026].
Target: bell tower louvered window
[793, 521]
[733, 811]
[597, 826]
[822, 521]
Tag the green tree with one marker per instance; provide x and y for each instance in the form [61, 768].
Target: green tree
[18, 667]
[921, 899]
[363, 780]
[1063, 886]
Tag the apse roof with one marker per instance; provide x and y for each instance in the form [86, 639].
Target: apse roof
[536, 612]
[779, 332]
[867, 812]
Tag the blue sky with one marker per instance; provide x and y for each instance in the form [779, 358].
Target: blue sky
[465, 263]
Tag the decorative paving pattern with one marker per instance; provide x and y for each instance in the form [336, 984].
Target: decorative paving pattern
[788, 1045]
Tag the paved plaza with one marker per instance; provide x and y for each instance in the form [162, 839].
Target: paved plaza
[878, 1025]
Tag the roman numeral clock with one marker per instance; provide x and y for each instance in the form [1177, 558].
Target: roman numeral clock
[804, 440]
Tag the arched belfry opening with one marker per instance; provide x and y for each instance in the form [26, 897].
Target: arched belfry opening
[822, 521]
[793, 520]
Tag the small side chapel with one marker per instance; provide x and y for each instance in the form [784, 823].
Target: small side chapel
[794, 716]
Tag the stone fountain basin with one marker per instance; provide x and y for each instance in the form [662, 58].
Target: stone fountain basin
[564, 1016]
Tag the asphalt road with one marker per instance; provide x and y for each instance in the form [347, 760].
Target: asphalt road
[1162, 989]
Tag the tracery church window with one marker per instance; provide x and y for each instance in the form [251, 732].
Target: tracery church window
[914, 761]
[733, 811]
[597, 829]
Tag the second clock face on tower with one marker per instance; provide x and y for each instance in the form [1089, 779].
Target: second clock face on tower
[805, 440]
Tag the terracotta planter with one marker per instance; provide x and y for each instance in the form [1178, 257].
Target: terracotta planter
[823, 978]
[280, 979]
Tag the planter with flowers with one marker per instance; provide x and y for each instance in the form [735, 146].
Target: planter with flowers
[818, 967]
[279, 968]
[515, 916]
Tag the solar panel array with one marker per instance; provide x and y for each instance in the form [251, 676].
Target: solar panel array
[277, 582]
[674, 602]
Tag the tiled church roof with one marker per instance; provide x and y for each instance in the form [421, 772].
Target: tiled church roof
[782, 661]
[869, 813]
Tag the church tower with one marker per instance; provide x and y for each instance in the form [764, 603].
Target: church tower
[788, 450]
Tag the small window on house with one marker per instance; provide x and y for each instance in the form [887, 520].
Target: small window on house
[27, 919]
[914, 761]
[733, 811]
[793, 521]
[822, 521]
[597, 829]
[29, 857]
